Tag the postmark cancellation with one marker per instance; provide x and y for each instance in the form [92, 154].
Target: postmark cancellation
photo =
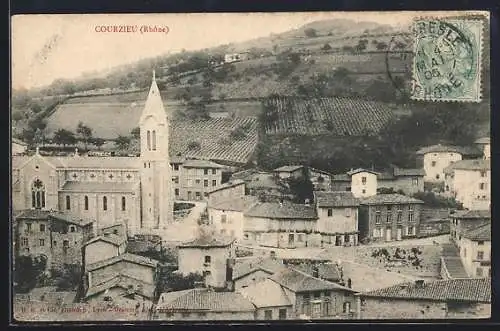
[447, 61]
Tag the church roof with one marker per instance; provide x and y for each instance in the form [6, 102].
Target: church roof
[107, 187]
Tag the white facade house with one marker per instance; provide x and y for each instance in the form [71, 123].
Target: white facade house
[475, 251]
[469, 181]
[363, 183]
[484, 145]
[436, 158]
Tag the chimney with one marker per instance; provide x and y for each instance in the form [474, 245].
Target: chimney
[419, 283]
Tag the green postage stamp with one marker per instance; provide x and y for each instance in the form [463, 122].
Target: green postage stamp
[447, 61]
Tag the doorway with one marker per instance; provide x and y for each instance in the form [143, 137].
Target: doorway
[388, 234]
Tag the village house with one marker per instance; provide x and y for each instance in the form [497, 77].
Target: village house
[337, 217]
[103, 247]
[469, 182]
[314, 298]
[209, 255]
[389, 217]
[327, 271]
[19, 147]
[321, 180]
[484, 144]
[227, 215]
[436, 158]
[281, 224]
[226, 191]
[264, 185]
[409, 181]
[202, 304]
[58, 236]
[475, 251]
[121, 269]
[290, 171]
[465, 220]
[253, 271]
[197, 178]
[440, 299]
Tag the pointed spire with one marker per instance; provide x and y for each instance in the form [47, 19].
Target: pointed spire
[154, 76]
[37, 150]
[154, 104]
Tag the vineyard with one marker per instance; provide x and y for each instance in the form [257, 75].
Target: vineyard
[334, 116]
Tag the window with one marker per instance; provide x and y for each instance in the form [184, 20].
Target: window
[198, 195]
[482, 186]
[305, 305]
[149, 140]
[348, 212]
[154, 140]
[104, 203]
[223, 218]
[214, 171]
[282, 314]
[197, 181]
[65, 245]
[214, 182]
[54, 243]
[268, 314]
[38, 194]
[28, 227]
[68, 202]
[389, 217]
[363, 191]
[86, 202]
[447, 188]
[480, 243]
[175, 180]
[206, 273]
[176, 167]
[205, 171]
[412, 230]
[347, 307]
[378, 218]
[479, 272]
[480, 255]
[330, 212]
[399, 216]
[414, 181]
[437, 176]
[24, 242]
[205, 183]
[124, 203]
[483, 173]
[207, 259]
[176, 191]
[433, 163]
[363, 180]
[72, 228]
[42, 242]
[223, 231]
[42, 227]
[410, 216]
[300, 237]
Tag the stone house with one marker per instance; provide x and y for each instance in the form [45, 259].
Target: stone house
[321, 180]
[210, 256]
[462, 221]
[203, 304]
[253, 271]
[337, 218]
[264, 185]
[103, 247]
[475, 251]
[226, 191]
[281, 224]
[197, 178]
[227, 215]
[441, 299]
[289, 171]
[389, 217]
[58, 236]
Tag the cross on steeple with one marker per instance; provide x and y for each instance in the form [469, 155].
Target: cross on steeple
[154, 76]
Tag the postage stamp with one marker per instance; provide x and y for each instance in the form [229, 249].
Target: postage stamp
[447, 61]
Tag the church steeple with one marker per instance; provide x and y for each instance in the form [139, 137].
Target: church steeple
[154, 105]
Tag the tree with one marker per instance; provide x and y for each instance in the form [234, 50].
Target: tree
[302, 188]
[68, 278]
[381, 46]
[98, 142]
[326, 47]
[136, 132]
[122, 142]
[310, 33]
[84, 133]
[36, 108]
[27, 272]
[17, 115]
[64, 137]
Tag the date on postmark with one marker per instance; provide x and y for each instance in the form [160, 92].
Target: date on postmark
[447, 61]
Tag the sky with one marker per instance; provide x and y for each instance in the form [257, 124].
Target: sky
[49, 47]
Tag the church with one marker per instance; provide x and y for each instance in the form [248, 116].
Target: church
[135, 191]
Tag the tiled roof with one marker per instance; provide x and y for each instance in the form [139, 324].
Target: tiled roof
[194, 163]
[262, 180]
[408, 172]
[39, 214]
[109, 238]
[327, 271]
[70, 218]
[454, 266]
[125, 282]
[342, 178]
[209, 241]
[335, 199]
[35, 214]
[213, 135]
[266, 293]
[285, 210]
[137, 259]
[335, 115]
[439, 148]
[107, 187]
[298, 281]
[478, 164]
[465, 290]
[481, 233]
[484, 140]
[288, 168]
[235, 204]
[229, 184]
[268, 265]
[389, 199]
[471, 214]
[358, 170]
[201, 299]
[244, 174]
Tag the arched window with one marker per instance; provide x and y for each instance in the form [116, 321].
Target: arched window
[38, 194]
[149, 140]
[105, 203]
[154, 140]
[124, 201]
[68, 202]
[86, 202]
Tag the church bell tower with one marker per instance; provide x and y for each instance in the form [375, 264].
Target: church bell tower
[156, 176]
